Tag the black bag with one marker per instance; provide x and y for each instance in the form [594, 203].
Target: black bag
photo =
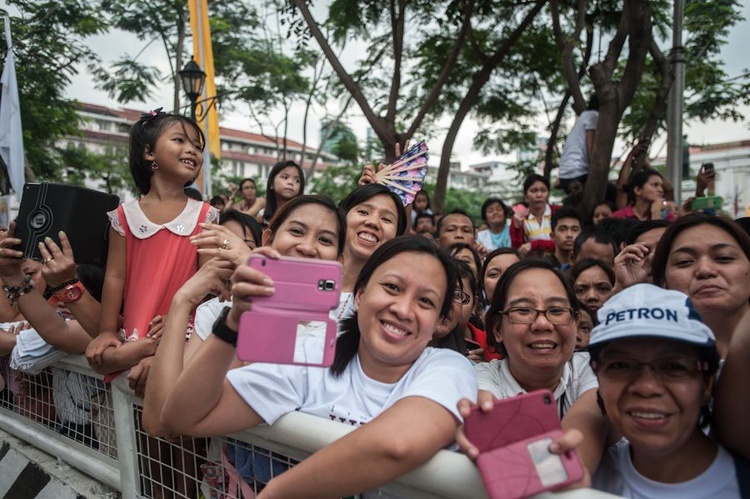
[81, 213]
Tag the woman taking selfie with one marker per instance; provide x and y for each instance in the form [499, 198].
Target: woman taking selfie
[401, 294]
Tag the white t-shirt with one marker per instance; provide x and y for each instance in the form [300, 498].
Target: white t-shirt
[617, 475]
[273, 390]
[574, 160]
[577, 378]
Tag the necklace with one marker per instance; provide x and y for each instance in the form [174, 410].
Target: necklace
[344, 307]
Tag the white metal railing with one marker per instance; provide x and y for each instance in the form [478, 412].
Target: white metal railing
[189, 469]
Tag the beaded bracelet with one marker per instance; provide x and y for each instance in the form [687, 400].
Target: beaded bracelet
[13, 293]
[55, 289]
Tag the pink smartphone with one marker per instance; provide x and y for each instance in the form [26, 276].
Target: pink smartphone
[513, 441]
[277, 328]
[527, 468]
[512, 419]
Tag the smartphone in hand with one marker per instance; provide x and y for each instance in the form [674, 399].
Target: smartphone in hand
[292, 326]
[513, 441]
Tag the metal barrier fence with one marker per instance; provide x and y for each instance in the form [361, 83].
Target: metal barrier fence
[96, 429]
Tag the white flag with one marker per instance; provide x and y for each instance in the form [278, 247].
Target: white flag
[11, 132]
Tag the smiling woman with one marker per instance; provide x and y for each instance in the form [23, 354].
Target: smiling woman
[412, 391]
[707, 258]
[374, 215]
[655, 376]
[533, 321]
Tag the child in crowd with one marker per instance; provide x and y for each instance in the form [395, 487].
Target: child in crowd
[285, 181]
[497, 234]
[150, 254]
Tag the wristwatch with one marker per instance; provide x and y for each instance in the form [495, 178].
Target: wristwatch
[222, 331]
[69, 294]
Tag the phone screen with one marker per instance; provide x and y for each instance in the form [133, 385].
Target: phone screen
[708, 167]
[549, 466]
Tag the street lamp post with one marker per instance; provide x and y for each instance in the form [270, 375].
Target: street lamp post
[192, 77]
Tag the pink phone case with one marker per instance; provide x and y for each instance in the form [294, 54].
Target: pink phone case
[512, 419]
[304, 290]
[526, 468]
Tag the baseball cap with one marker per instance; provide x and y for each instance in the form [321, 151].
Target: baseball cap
[645, 310]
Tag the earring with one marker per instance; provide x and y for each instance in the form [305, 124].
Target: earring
[154, 166]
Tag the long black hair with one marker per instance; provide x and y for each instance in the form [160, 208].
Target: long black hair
[270, 210]
[348, 343]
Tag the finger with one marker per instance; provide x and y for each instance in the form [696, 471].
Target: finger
[46, 255]
[67, 249]
[566, 442]
[465, 406]
[485, 400]
[465, 445]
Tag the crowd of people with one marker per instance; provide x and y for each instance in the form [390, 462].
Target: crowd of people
[636, 317]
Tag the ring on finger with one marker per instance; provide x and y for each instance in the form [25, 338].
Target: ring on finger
[47, 260]
[225, 244]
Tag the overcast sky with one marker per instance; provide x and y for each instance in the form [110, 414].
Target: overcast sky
[111, 46]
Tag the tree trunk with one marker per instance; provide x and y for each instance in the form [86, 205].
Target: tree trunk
[471, 97]
[635, 27]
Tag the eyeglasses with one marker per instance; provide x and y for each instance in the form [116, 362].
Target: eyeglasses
[524, 315]
[462, 297]
[667, 369]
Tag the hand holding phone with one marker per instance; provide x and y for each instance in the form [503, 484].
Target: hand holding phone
[277, 327]
[513, 441]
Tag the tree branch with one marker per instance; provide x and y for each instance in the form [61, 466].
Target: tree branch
[397, 33]
[375, 121]
[448, 66]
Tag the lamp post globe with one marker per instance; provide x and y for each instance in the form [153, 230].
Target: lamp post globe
[192, 77]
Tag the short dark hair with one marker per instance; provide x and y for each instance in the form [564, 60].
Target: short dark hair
[497, 305]
[532, 179]
[247, 223]
[639, 180]
[641, 227]
[457, 211]
[489, 202]
[598, 235]
[579, 267]
[424, 215]
[455, 248]
[347, 344]
[364, 192]
[325, 201]
[565, 212]
[270, 210]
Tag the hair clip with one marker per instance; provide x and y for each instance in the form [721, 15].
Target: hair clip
[151, 115]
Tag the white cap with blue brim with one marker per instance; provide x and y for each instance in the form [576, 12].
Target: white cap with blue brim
[645, 310]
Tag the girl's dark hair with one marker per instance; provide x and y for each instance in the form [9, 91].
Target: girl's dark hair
[585, 264]
[426, 195]
[455, 248]
[143, 136]
[641, 227]
[664, 248]
[502, 291]
[489, 202]
[248, 224]
[590, 217]
[347, 344]
[217, 200]
[367, 191]
[532, 179]
[324, 201]
[487, 260]
[271, 206]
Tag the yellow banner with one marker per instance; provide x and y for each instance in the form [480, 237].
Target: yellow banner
[204, 57]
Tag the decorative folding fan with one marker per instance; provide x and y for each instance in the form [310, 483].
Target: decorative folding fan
[405, 175]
